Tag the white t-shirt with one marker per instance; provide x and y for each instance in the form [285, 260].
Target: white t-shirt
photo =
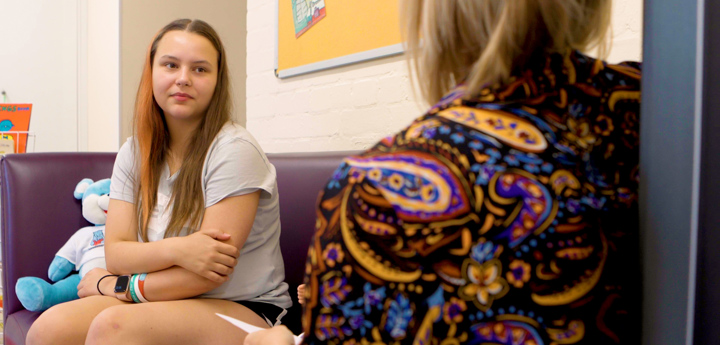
[234, 165]
[83, 246]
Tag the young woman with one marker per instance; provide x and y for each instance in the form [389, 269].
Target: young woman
[507, 214]
[193, 223]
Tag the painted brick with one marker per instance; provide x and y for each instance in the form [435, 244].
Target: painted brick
[322, 78]
[283, 104]
[262, 106]
[364, 92]
[403, 114]
[258, 40]
[284, 85]
[359, 121]
[367, 141]
[258, 62]
[296, 102]
[260, 84]
[334, 97]
[301, 99]
[363, 121]
[393, 88]
[301, 125]
[334, 143]
[254, 4]
[626, 49]
[262, 17]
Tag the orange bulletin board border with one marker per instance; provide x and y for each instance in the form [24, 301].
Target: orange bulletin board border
[352, 31]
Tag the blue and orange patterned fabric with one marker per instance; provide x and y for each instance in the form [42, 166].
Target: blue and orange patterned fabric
[509, 217]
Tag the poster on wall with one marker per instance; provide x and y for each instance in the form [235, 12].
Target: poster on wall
[307, 13]
[14, 124]
[314, 35]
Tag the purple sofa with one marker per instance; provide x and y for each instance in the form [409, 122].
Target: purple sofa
[39, 214]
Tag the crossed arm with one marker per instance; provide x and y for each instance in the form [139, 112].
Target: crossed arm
[178, 267]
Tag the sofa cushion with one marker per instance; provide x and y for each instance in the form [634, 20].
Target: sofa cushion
[17, 325]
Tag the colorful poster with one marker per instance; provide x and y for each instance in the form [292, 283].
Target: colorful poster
[353, 31]
[307, 13]
[15, 118]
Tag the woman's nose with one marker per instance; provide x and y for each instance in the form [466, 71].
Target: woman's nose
[184, 78]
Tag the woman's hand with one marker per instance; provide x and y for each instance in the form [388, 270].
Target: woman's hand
[204, 254]
[301, 294]
[88, 286]
[278, 335]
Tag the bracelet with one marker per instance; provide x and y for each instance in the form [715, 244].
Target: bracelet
[103, 277]
[133, 279]
[140, 289]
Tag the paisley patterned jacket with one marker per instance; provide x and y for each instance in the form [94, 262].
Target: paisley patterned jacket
[505, 218]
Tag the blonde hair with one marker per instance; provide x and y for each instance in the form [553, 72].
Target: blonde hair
[484, 42]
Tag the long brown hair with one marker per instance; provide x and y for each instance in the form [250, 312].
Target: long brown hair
[486, 41]
[152, 138]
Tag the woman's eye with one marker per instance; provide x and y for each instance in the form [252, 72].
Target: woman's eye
[170, 65]
[200, 69]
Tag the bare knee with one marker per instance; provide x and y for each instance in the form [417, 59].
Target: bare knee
[112, 326]
[53, 327]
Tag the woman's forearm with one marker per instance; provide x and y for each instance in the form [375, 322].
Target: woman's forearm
[176, 283]
[126, 257]
[123, 253]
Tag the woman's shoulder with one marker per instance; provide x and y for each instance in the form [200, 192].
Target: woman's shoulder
[233, 140]
[127, 150]
[231, 132]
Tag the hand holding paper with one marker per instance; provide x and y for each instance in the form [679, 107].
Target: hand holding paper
[277, 332]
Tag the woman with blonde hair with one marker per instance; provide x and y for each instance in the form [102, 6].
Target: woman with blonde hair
[507, 214]
[193, 222]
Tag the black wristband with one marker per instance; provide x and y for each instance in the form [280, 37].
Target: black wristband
[103, 277]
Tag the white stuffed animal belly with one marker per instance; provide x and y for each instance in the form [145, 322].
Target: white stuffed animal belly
[85, 249]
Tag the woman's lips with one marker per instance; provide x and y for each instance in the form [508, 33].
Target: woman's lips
[181, 96]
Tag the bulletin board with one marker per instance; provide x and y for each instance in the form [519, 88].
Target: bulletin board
[14, 124]
[349, 31]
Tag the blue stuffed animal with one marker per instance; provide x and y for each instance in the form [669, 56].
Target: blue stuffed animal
[83, 252]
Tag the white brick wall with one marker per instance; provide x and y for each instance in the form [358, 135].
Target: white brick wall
[626, 30]
[352, 107]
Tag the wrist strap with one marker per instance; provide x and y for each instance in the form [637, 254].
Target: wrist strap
[103, 277]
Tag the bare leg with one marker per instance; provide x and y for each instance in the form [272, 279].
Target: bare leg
[68, 323]
[190, 321]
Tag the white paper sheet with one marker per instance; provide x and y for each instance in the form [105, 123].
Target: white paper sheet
[250, 328]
